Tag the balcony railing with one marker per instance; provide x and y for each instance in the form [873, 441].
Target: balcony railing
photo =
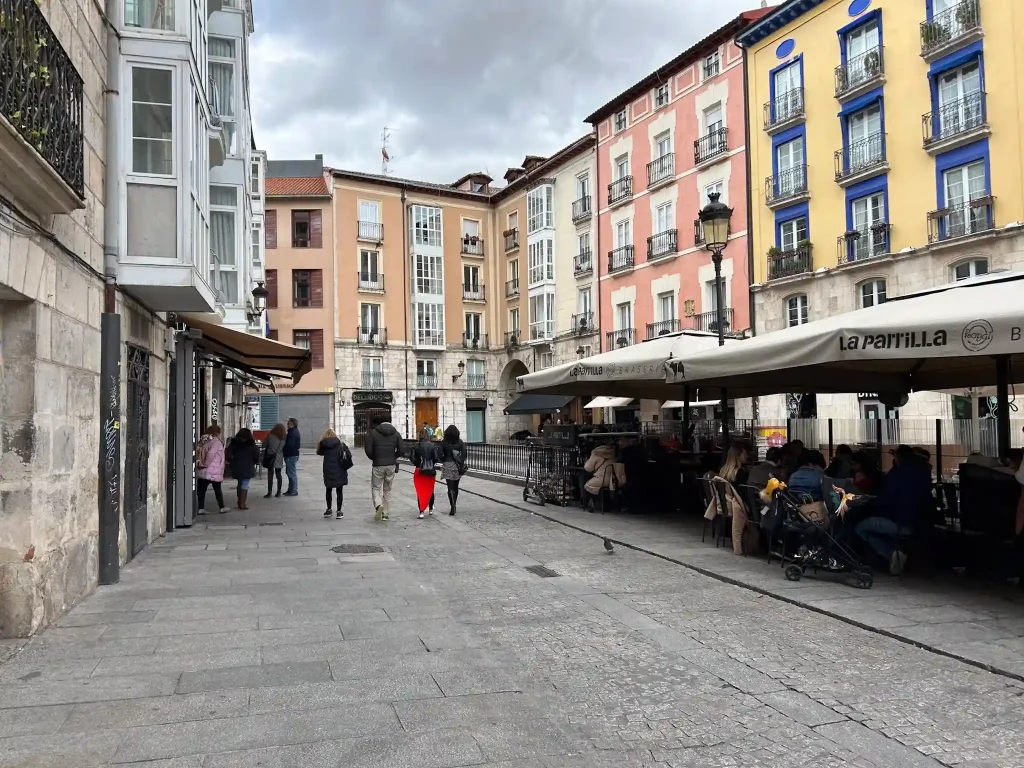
[954, 119]
[698, 232]
[860, 244]
[624, 337]
[583, 263]
[712, 67]
[472, 340]
[620, 189]
[371, 335]
[476, 380]
[371, 281]
[662, 328]
[426, 380]
[582, 209]
[973, 218]
[473, 247]
[370, 231]
[511, 239]
[711, 145]
[583, 324]
[860, 156]
[786, 185]
[789, 263]
[661, 169]
[513, 338]
[859, 72]
[473, 292]
[951, 26]
[662, 244]
[512, 288]
[620, 259]
[708, 321]
[372, 380]
[429, 338]
[41, 95]
[786, 108]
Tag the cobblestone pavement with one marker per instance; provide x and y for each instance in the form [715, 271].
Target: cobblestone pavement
[246, 641]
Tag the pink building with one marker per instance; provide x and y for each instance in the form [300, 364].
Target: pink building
[663, 146]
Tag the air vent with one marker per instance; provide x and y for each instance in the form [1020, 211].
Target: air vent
[357, 549]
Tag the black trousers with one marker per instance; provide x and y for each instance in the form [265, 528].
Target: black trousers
[201, 486]
[270, 480]
[339, 490]
[453, 490]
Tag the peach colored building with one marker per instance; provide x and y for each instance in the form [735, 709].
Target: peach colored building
[664, 145]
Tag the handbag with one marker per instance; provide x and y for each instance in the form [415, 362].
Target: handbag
[269, 457]
[346, 458]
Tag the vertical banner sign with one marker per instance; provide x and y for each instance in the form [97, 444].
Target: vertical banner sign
[110, 448]
[252, 404]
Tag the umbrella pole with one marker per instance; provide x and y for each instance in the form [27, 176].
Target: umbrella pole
[1003, 408]
[725, 420]
[686, 410]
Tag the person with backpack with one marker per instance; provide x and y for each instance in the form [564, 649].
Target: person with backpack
[426, 455]
[337, 463]
[242, 456]
[273, 458]
[210, 468]
[453, 463]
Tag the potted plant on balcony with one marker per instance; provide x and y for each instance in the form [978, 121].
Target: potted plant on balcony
[851, 235]
[774, 252]
[967, 15]
[933, 34]
[804, 245]
[872, 63]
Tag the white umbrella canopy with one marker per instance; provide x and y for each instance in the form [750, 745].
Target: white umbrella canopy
[938, 339]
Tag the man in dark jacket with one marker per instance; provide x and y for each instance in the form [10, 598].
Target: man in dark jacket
[383, 446]
[292, 442]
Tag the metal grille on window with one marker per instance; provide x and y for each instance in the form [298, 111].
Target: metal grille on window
[136, 492]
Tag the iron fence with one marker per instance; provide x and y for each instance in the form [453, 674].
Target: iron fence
[508, 460]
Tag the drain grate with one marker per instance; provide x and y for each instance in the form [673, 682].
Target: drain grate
[262, 524]
[357, 549]
[543, 571]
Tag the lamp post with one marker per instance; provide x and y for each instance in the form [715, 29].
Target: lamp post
[715, 220]
[258, 303]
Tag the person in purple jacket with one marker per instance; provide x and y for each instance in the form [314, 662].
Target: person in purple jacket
[210, 467]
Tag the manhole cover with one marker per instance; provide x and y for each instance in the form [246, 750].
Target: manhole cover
[262, 524]
[356, 549]
[542, 571]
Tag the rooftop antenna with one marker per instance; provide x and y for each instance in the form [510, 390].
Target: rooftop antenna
[385, 156]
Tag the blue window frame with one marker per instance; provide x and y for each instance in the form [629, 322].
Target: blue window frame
[867, 213]
[870, 147]
[782, 108]
[791, 216]
[875, 17]
[973, 108]
[959, 170]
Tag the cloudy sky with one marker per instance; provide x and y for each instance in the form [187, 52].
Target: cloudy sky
[463, 85]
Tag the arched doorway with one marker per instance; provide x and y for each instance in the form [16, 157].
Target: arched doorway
[364, 414]
[513, 369]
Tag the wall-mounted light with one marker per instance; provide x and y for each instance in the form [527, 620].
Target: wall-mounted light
[462, 370]
[254, 309]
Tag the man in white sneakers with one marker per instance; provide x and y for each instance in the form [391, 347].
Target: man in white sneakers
[383, 446]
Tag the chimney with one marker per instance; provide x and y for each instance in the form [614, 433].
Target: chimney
[318, 157]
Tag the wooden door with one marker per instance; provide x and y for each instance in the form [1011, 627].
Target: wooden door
[426, 411]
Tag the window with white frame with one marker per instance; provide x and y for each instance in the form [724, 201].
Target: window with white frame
[792, 233]
[872, 293]
[962, 186]
[513, 220]
[470, 229]
[971, 268]
[426, 368]
[256, 235]
[471, 278]
[712, 65]
[223, 240]
[718, 188]
[711, 295]
[664, 218]
[713, 118]
[582, 186]
[373, 372]
[584, 301]
[149, 14]
[661, 96]
[430, 324]
[547, 359]
[542, 261]
[222, 80]
[369, 220]
[513, 270]
[864, 137]
[859, 42]
[474, 326]
[425, 221]
[429, 274]
[542, 315]
[868, 213]
[621, 167]
[583, 243]
[585, 350]
[540, 208]
[620, 120]
[369, 317]
[369, 266]
[476, 369]
[796, 310]
[623, 233]
[624, 316]
[513, 321]
[152, 121]
[667, 306]
[255, 172]
[960, 99]
[790, 168]
[663, 145]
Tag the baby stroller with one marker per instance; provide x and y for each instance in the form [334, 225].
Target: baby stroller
[814, 527]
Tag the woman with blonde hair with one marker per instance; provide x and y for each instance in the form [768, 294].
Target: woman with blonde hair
[733, 473]
[273, 457]
[337, 462]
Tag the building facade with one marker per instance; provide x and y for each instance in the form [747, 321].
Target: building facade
[882, 164]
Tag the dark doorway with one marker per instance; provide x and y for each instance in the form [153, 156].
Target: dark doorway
[364, 414]
[136, 463]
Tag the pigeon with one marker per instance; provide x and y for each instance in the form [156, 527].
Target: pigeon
[608, 546]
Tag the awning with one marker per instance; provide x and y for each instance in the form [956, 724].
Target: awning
[252, 353]
[682, 403]
[609, 402]
[537, 404]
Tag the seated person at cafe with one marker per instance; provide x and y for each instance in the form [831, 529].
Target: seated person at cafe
[606, 473]
[735, 470]
[841, 467]
[866, 476]
[764, 471]
[789, 462]
[806, 479]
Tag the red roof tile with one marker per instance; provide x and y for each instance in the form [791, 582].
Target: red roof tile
[297, 187]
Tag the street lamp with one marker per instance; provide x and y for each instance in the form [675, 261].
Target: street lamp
[715, 223]
[258, 303]
[462, 370]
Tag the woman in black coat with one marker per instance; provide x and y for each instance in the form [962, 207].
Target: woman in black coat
[243, 455]
[453, 463]
[337, 461]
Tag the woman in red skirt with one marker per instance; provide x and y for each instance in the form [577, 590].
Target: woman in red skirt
[426, 457]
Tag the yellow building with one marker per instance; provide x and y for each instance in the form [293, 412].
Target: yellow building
[886, 153]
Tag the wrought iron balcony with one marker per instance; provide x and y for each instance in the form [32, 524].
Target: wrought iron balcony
[426, 380]
[711, 145]
[582, 209]
[956, 123]
[661, 169]
[372, 380]
[473, 292]
[788, 263]
[698, 232]
[511, 239]
[860, 74]
[512, 288]
[662, 244]
[708, 321]
[473, 246]
[583, 324]
[371, 281]
[583, 263]
[662, 328]
[620, 259]
[712, 66]
[474, 340]
[861, 244]
[967, 219]
[41, 99]
[953, 27]
[620, 189]
[860, 159]
[476, 380]
[429, 338]
[787, 109]
[371, 335]
[786, 186]
[513, 338]
[625, 337]
[370, 231]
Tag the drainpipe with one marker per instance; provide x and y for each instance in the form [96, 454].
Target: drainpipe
[750, 211]
[405, 305]
[597, 235]
[109, 500]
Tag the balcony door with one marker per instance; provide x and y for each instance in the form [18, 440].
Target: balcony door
[864, 135]
[790, 161]
[667, 306]
[369, 266]
[963, 185]
[623, 236]
[788, 83]
[960, 100]
[582, 186]
[791, 233]
[664, 218]
[369, 319]
[624, 316]
[867, 212]
[858, 43]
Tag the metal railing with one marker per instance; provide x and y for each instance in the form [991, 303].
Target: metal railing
[426, 380]
[494, 459]
[620, 189]
[944, 28]
[857, 245]
[473, 292]
[371, 334]
[955, 118]
[581, 209]
[698, 232]
[973, 218]
[512, 288]
[791, 182]
[371, 281]
[624, 337]
[471, 248]
[789, 263]
[513, 338]
[583, 324]
[859, 156]
[662, 244]
[583, 263]
[371, 231]
[662, 328]
[661, 169]
[542, 330]
[711, 145]
[42, 91]
[786, 107]
[474, 340]
[511, 239]
[476, 380]
[712, 67]
[859, 71]
[708, 321]
[372, 380]
[620, 259]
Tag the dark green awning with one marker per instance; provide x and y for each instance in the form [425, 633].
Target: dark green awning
[537, 404]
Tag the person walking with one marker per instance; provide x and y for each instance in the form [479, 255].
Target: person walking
[453, 463]
[273, 458]
[383, 446]
[292, 443]
[438, 434]
[337, 463]
[426, 455]
[242, 456]
[210, 468]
